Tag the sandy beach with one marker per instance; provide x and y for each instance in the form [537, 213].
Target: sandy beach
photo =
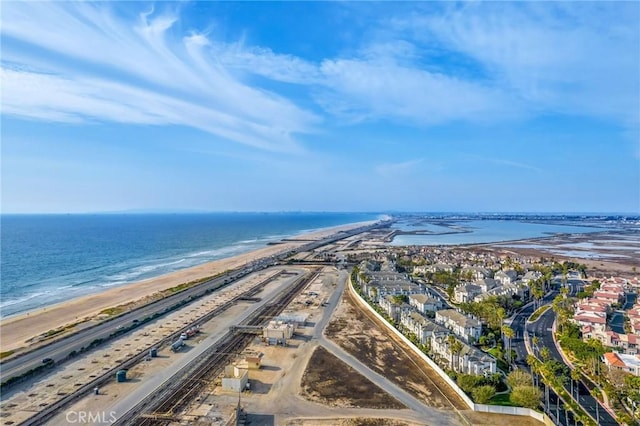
[16, 331]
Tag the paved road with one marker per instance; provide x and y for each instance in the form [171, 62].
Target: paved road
[518, 324]
[542, 330]
[60, 350]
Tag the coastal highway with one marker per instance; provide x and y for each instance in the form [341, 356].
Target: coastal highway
[59, 350]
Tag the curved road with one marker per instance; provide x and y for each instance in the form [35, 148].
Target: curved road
[542, 329]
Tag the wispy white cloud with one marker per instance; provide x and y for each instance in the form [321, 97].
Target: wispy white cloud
[369, 90]
[516, 164]
[559, 57]
[135, 71]
[394, 169]
[143, 68]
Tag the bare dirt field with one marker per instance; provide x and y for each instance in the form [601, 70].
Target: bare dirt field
[362, 335]
[367, 340]
[330, 381]
[350, 422]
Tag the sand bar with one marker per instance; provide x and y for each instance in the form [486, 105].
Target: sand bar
[15, 331]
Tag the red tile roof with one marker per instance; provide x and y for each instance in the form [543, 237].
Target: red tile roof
[612, 358]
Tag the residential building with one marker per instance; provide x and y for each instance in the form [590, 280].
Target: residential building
[392, 308]
[424, 302]
[466, 293]
[531, 276]
[475, 272]
[469, 360]
[422, 327]
[467, 328]
[487, 284]
[628, 363]
[506, 277]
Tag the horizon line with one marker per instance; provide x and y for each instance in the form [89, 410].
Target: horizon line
[380, 212]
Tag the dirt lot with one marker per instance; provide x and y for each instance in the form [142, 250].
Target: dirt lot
[351, 422]
[364, 338]
[329, 381]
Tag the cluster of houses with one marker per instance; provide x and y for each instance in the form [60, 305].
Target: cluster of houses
[593, 313]
[503, 283]
[480, 281]
[425, 317]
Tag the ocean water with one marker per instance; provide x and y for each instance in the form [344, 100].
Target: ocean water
[484, 231]
[46, 259]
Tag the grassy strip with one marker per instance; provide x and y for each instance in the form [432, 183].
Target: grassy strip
[6, 354]
[541, 310]
[502, 399]
[117, 310]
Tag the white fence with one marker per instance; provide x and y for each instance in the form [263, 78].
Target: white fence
[496, 409]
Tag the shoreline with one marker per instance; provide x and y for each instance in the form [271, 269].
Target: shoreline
[16, 330]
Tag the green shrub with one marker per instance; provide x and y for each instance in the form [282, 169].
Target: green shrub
[519, 377]
[526, 396]
[468, 382]
[482, 394]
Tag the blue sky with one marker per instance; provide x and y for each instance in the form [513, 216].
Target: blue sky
[337, 106]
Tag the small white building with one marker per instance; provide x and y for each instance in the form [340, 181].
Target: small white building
[235, 379]
[628, 363]
[277, 333]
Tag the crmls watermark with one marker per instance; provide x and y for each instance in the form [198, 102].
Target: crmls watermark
[91, 417]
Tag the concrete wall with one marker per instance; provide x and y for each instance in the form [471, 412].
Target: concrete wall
[496, 409]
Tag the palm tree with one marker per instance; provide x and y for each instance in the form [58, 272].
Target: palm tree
[537, 291]
[565, 270]
[575, 375]
[508, 333]
[547, 374]
[456, 348]
[535, 364]
[535, 342]
[450, 341]
[545, 353]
